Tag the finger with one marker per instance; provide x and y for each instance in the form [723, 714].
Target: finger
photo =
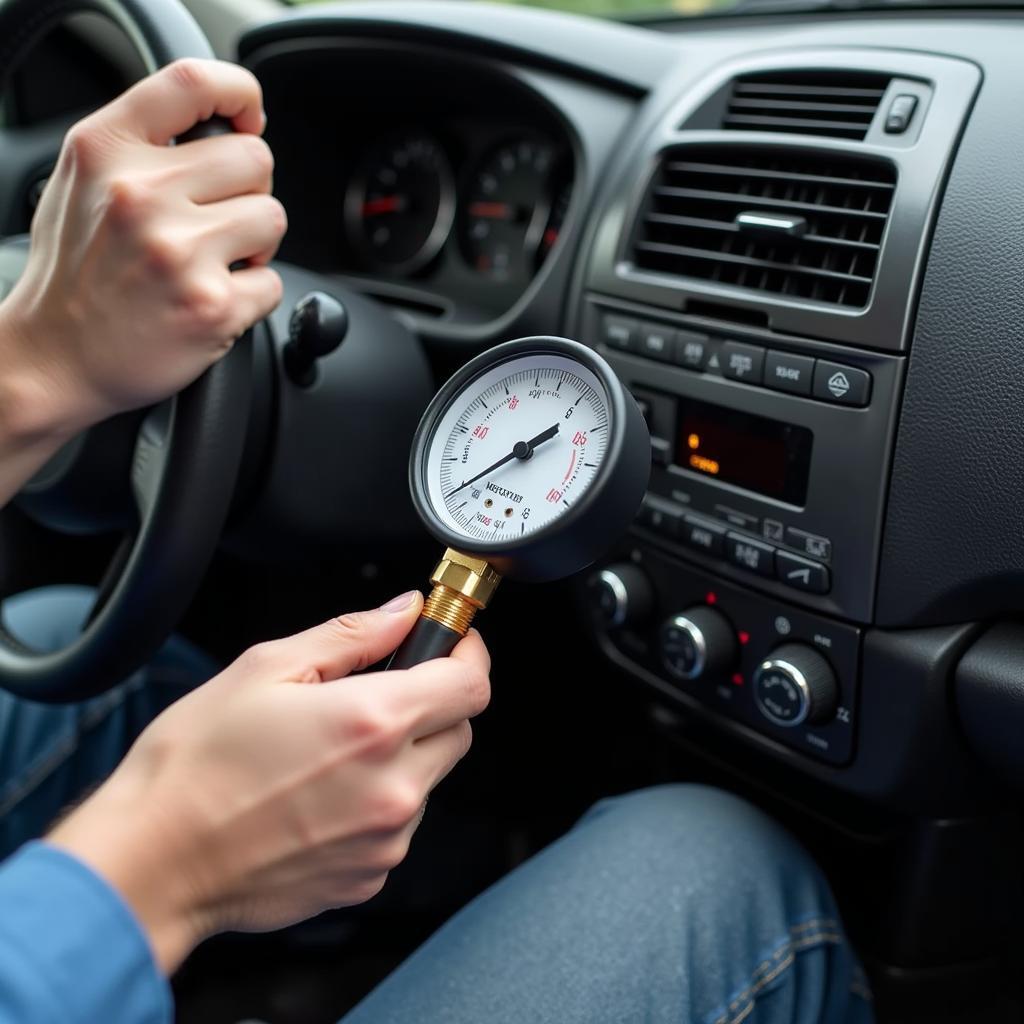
[244, 228]
[438, 694]
[472, 650]
[434, 756]
[349, 643]
[208, 170]
[257, 292]
[182, 95]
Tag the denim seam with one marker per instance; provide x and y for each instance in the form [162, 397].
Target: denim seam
[49, 761]
[801, 937]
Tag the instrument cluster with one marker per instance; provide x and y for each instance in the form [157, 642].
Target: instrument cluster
[421, 207]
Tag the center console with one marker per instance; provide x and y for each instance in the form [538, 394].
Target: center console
[752, 283]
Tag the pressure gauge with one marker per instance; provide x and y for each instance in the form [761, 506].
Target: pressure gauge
[528, 463]
[533, 456]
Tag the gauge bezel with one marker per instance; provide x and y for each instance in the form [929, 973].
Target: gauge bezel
[447, 207]
[583, 533]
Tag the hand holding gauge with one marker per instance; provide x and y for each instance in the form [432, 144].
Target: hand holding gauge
[527, 464]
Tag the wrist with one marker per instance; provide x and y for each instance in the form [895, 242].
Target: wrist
[31, 410]
[122, 840]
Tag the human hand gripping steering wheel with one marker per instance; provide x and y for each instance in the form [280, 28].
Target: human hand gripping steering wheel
[183, 463]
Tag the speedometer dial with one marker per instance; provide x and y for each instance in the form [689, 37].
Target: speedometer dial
[508, 208]
[400, 204]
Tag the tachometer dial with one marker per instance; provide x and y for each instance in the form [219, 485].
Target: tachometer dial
[400, 204]
[508, 208]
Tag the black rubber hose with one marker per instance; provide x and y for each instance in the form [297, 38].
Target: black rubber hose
[428, 640]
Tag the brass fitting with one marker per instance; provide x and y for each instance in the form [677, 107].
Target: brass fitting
[463, 585]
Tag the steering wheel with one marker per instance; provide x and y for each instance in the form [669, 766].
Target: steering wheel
[179, 465]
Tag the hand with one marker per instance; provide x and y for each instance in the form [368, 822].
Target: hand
[276, 791]
[127, 296]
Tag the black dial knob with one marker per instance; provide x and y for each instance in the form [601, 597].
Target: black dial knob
[794, 685]
[621, 595]
[699, 642]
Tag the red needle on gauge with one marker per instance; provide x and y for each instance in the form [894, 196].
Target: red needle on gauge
[383, 204]
[492, 211]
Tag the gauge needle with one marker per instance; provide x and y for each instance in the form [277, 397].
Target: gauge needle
[492, 210]
[383, 204]
[522, 450]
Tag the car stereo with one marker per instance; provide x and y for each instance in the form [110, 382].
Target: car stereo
[771, 452]
[764, 456]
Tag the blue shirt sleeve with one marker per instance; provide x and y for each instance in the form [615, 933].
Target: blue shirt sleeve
[70, 949]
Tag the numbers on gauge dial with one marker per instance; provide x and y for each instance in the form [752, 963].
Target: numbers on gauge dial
[518, 449]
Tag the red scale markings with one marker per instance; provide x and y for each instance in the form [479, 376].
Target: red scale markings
[571, 466]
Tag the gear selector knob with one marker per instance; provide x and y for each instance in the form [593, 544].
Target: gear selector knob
[318, 325]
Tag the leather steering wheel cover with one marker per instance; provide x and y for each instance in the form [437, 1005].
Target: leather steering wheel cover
[181, 530]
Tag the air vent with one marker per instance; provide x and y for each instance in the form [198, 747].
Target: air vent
[804, 225]
[840, 104]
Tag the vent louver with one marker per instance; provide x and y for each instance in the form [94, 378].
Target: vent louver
[841, 104]
[822, 219]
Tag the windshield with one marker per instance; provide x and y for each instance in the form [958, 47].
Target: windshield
[660, 9]
[623, 8]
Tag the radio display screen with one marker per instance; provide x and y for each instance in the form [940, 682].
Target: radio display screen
[761, 455]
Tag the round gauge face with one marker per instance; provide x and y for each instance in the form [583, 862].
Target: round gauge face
[516, 448]
[400, 204]
[508, 208]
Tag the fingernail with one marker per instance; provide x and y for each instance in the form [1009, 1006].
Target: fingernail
[400, 603]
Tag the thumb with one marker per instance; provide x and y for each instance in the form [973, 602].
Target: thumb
[354, 641]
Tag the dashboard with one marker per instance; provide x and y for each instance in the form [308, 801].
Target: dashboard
[768, 226]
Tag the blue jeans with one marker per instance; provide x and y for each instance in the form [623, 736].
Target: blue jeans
[676, 904]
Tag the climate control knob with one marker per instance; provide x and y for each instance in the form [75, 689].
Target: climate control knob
[621, 595]
[794, 685]
[699, 642]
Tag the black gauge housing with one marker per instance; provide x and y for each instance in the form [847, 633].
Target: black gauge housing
[586, 530]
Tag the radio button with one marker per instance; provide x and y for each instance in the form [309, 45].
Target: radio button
[660, 517]
[785, 372]
[691, 350]
[749, 554]
[742, 362]
[800, 574]
[661, 451]
[657, 342]
[702, 535]
[619, 332]
[809, 543]
[843, 385]
[741, 520]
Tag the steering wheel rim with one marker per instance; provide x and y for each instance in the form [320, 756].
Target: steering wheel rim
[188, 450]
